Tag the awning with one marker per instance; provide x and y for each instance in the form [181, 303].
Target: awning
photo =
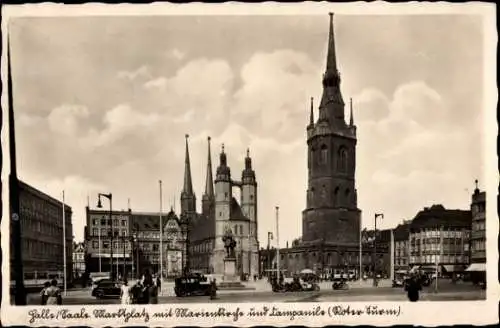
[454, 268]
[477, 267]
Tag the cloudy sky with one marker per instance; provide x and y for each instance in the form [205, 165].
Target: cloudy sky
[103, 104]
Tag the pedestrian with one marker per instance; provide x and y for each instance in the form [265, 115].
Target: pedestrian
[53, 294]
[153, 294]
[43, 293]
[125, 293]
[213, 289]
[413, 288]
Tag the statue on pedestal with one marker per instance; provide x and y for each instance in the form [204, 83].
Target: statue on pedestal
[229, 243]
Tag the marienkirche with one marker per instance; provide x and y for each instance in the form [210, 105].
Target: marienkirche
[331, 219]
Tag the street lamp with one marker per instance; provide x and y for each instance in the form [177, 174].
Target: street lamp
[99, 205]
[375, 282]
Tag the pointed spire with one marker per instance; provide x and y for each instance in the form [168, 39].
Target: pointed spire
[188, 185]
[311, 117]
[351, 120]
[209, 186]
[331, 59]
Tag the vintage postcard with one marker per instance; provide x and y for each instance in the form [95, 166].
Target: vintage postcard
[236, 164]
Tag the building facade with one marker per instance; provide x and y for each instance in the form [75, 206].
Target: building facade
[136, 242]
[104, 237]
[146, 235]
[477, 268]
[402, 246]
[79, 253]
[221, 212]
[42, 236]
[478, 234]
[440, 236]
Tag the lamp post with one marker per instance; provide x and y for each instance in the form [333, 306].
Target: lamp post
[268, 258]
[132, 246]
[99, 205]
[375, 282]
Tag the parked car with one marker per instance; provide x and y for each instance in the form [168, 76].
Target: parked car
[106, 288]
[192, 285]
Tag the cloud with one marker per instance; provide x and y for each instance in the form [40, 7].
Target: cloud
[66, 119]
[142, 72]
[275, 91]
[176, 54]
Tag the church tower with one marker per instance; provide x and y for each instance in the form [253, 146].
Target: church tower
[331, 213]
[188, 198]
[249, 208]
[223, 197]
[208, 201]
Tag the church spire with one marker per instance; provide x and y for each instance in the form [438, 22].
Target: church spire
[188, 199]
[311, 117]
[331, 58]
[209, 186]
[351, 120]
[331, 108]
[188, 184]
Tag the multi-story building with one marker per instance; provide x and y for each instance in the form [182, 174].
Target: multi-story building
[102, 234]
[78, 260]
[440, 236]
[478, 236]
[136, 242]
[146, 235]
[402, 246]
[42, 236]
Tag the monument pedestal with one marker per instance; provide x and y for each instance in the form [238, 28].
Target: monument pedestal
[230, 280]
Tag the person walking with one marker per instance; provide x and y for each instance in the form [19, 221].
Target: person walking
[43, 293]
[153, 293]
[413, 288]
[53, 294]
[125, 293]
[213, 289]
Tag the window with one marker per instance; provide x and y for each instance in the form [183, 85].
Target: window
[95, 222]
[105, 244]
[103, 222]
[155, 247]
[124, 223]
[342, 160]
[95, 232]
[324, 155]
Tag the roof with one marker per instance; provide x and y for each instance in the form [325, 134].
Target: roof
[437, 216]
[236, 213]
[202, 227]
[143, 221]
[402, 231]
[23, 186]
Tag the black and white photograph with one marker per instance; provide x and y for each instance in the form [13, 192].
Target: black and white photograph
[331, 160]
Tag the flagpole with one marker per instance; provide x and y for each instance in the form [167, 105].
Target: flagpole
[64, 243]
[277, 243]
[161, 240]
[20, 291]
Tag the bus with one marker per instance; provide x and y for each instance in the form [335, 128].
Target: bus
[37, 279]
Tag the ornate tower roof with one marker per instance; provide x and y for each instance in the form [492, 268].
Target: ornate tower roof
[223, 171]
[248, 174]
[331, 108]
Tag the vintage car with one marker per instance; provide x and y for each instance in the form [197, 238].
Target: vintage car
[106, 288]
[192, 285]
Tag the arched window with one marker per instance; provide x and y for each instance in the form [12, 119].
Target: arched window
[342, 160]
[311, 156]
[324, 155]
